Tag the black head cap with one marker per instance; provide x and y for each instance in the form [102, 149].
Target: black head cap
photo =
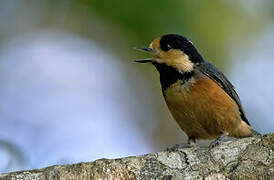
[174, 41]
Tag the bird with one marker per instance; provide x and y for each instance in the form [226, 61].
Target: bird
[198, 95]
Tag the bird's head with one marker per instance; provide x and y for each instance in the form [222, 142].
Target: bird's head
[173, 50]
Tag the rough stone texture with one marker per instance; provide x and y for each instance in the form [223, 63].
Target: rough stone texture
[248, 158]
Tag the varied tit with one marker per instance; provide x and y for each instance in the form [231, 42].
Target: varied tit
[199, 96]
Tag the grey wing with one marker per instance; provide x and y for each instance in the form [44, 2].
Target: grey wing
[212, 72]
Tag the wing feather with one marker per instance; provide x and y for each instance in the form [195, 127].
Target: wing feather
[212, 72]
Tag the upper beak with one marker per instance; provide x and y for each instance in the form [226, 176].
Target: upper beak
[145, 49]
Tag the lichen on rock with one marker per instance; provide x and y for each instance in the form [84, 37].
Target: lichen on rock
[247, 158]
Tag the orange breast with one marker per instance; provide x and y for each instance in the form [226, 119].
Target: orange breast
[202, 108]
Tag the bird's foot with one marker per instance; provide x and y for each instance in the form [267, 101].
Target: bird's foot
[218, 141]
[176, 147]
[214, 143]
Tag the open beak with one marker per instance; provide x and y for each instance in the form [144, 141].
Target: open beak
[145, 49]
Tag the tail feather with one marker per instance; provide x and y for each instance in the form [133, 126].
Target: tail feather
[243, 130]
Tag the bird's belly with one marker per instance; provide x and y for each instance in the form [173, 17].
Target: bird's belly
[201, 108]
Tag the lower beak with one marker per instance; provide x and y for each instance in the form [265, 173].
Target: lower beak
[144, 61]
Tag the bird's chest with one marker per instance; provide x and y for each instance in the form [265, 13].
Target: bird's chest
[189, 104]
[179, 97]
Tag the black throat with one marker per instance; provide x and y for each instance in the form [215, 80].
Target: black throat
[169, 75]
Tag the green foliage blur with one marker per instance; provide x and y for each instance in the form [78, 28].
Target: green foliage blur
[211, 25]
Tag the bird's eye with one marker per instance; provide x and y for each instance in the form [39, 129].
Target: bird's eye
[168, 46]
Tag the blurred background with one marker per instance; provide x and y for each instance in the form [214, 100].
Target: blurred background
[70, 91]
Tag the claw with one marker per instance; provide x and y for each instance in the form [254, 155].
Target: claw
[218, 141]
[215, 143]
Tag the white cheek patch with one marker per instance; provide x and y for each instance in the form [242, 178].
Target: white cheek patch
[150, 45]
[182, 63]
